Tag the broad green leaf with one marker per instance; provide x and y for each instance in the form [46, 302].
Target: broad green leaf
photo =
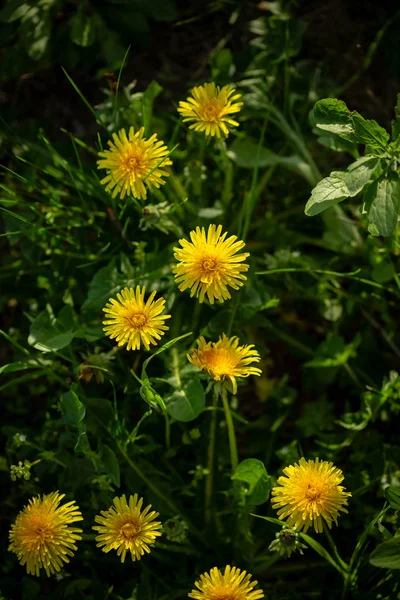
[341, 185]
[333, 117]
[359, 173]
[368, 132]
[387, 555]
[82, 29]
[251, 472]
[48, 333]
[187, 403]
[396, 122]
[73, 409]
[327, 193]
[383, 205]
[336, 142]
[246, 153]
[392, 495]
[111, 465]
[330, 111]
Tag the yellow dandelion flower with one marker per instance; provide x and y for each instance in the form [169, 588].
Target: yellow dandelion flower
[309, 493]
[211, 107]
[209, 263]
[133, 161]
[232, 584]
[133, 322]
[225, 359]
[41, 536]
[125, 528]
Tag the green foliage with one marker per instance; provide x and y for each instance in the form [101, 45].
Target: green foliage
[44, 33]
[375, 173]
[387, 555]
[252, 475]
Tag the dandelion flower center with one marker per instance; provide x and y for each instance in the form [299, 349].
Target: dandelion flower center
[137, 320]
[309, 493]
[130, 531]
[209, 263]
[134, 164]
[313, 492]
[132, 321]
[210, 111]
[225, 359]
[221, 361]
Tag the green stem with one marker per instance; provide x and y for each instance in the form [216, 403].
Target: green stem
[175, 366]
[251, 198]
[332, 544]
[167, 501]
[231, 429]
[208, 492]
[167, 431]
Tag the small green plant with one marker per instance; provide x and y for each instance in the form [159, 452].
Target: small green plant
[375, 174]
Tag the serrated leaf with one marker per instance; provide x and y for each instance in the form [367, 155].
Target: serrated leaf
[253, 474]
[359, 173]
[187, 403]
[392, 495]
[73, 409]
[333, 117]
[341, 185]
[327, 193]
[111, 465]
[387, 555]
[369, 133]
[336, 143]
[383, 202]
